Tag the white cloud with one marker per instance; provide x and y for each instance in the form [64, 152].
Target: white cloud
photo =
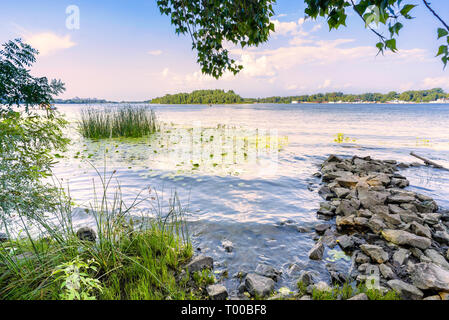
[437, 82]
[48, 42]
[155, 52]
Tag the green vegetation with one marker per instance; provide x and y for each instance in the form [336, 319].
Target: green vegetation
[214, 23]
[77, 100]
[200, 97]
[128, 121]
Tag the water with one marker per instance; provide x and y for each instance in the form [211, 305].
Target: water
[245, 171]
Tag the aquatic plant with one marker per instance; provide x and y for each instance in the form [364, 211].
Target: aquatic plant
[340, 138]
[126, 121]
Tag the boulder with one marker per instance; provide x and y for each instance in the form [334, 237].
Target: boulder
[370, 198]
[400, 256]
[360, 296]
[384, 213]
[258, 285]
[317, 251]
[346, 208]
[322, 227]
[400, 198]
[441, 237]
[386, 271]
[430, 276]
[345, 242]
[217, 292]
[346, 221]
[401, 237]
[322, 286]
[200, 263]
[407, 291]
[362, 258]
[428, 206]
[375, 252]
[267, 271]
[341, 192]
[431, 218]
[420, 230]
[437, 258]
[86, 234]
[306, 278]
[376, 224]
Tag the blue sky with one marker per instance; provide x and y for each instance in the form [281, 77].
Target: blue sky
[126, 50]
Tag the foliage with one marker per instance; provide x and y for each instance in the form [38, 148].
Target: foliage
[75, 280]
[77, 100]
[17, 86]
[212, 23]
[200, 97]
[128, 121]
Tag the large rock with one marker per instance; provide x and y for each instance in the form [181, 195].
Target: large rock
[360, 296]
[401, 237]
[346, 208]
[347, 181]
[345, 242]
[86, 234]
[441, 236]
[375, 252]
[267, 271]
[317, 251]
[430, 276]
[400, 256]
[386, 271]
[407, 291]
[3, 237]
[384, 213]
[258, 285]
[345, 221]
[420, 230]
[200, 263]
[437, 258]
[306, 278]
[217, 292]
[400, 198]
[370, 198]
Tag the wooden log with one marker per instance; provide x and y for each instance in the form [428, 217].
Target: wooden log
[428, 162]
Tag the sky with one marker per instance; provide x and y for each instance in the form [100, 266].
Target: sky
[126, 50]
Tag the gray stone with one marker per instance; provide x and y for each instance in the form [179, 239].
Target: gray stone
[227, 245]
[420, 230]
[431, 218]
[341, 192]
[86, 234]
[427, 206]
[200, 263]
[409, 207]
[317, 251]
[258, 285]
[430, 276]
[267, 271]
[400, 183]
[362, 222]
[306, 278]
[360, 296]
[345, 242]
[401, 237]
[384, 213]
[217, 292]
[375, 252]
[400, 198]
[400, 256]
[369, 198]
[386, 271]
[441, 236]
[322, 227]
[437, 258]
[346, 221]
[3, 237]
[365, 213]
[376, 224]
[345, 208]
[347, 181]
[362, 258]
[435, 297]
[406, 290]
[322, 286]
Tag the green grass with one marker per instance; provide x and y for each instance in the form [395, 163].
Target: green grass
[133, 258]
[127, 121]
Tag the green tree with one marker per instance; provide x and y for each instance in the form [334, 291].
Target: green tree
[27, 139]
[212, 23]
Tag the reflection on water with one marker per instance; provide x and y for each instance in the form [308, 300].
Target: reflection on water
[245, 171]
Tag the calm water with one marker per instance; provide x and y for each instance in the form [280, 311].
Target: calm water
[243, 171]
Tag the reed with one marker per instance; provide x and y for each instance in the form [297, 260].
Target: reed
[114, 122]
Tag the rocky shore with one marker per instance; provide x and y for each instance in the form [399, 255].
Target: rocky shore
[398, 239]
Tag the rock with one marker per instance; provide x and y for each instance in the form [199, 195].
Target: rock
[384, 213]
[227, 245]
[406, 290]
[267, 271]
[360, 296]
[441, 237]
[376, 224]
[400, 183]
[322, 286]
[200, 263]
[325, 193]
[306, 297]
[420, 230]
[437, 258]
[400, 198]
[386, 271]
[431, 218]
[346, 221]
[444, 296]
[217, 292]
[401, 237]
[321, 228]
[341, 192]
[361, 222]
[306, 278]
[435, 297]
[430, 276]
[369, 198]
[327, 209]
[3, 237]
[375, 252]
[447, 254]
[345, 242]
[333, 158]
[427, 206]
[317, 251]
[346, 208]
[86, 234]
[362, 258]
[258, 285]
[364, 213]
[400, 256]
[347, 181]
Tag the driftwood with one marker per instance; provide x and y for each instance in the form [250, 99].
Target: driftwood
[428, 162]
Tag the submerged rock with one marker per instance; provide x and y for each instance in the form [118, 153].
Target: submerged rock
[258, 285]
[317, 251]
[267, 271]
[227, 245]
[306, 278]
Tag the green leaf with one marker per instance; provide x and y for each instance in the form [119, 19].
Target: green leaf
[442, 50]
[406, 9]
[442, 33]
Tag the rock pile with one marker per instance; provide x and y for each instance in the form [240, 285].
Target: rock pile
[395, 234]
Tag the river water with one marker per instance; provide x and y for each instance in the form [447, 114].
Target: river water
[244, 173]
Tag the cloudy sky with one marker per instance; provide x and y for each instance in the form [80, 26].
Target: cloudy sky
[125, 50]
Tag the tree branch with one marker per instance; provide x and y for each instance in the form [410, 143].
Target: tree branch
[435, 14]
[361, 16]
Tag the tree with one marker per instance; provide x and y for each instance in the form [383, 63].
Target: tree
[212, 23]
[27, 139]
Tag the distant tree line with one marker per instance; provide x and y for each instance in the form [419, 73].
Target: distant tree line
[200, 97]
[77, 100]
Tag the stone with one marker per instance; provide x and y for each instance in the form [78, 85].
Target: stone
[346, 221]
[341, 192]
[406, 290]
[321, 228]
[435, 297]
[258, 285]
[217, 292]
[362, 258]
[267, 271]
[306, 297]
[306, 278]
[386, 271]
[441, 237]
[384, 213]
[431, 218]
[400, 256]
[227, 245]
[345, 242]
[362, 222]
[375, 252]
[317, 251]
[326, 208]
[399, 198]
[430, 276]
[347, 181]
[322, 286]
[437, 258]
[360, 296]
[200, 263]
[369, 198]
[420, 230]
[325, 193]
[86, 234]
[401, 237]
[364, 213]
[376, 224]
[3, 237]
[444, 296]
[346, 208]
[400, 183]
[427, 206]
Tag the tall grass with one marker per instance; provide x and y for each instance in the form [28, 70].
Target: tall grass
[132, 257]
[126, 121]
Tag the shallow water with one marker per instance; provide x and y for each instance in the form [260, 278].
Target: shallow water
[245, 171]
